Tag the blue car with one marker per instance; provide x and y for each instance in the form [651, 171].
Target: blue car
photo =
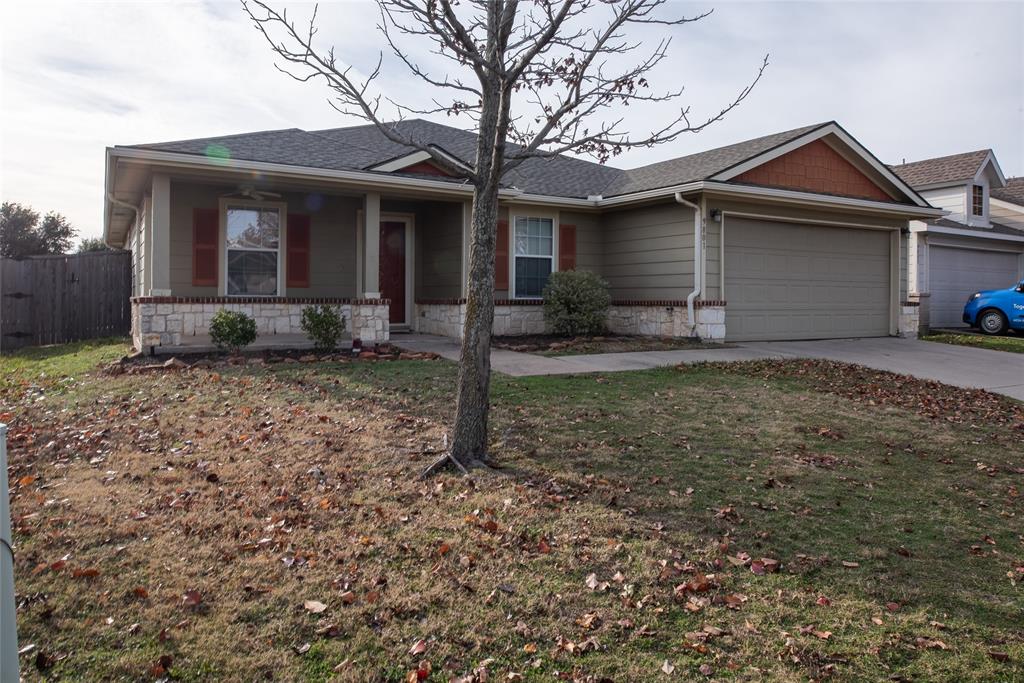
[996, 310]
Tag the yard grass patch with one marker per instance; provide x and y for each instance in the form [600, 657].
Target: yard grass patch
[1010, 342]
[186, 518]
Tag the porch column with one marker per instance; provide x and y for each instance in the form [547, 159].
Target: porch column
[371, 246]
[159, 248]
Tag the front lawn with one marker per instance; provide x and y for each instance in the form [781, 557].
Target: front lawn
[760, 521]
[1009, 342]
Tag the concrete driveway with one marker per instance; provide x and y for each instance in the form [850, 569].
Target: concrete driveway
[998, 371]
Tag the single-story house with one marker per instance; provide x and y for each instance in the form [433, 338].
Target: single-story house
[797, 235]
[977, 245]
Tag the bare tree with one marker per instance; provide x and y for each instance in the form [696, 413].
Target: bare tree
[535, 80]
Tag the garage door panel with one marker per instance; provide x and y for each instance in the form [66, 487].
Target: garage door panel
[955, 273]
[793, 281]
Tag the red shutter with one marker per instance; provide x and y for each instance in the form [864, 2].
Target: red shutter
[501, 257]
[567, 247]
[297, 261]
[205, 236]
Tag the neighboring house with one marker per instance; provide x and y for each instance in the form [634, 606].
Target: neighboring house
[804, 233]
[978, 245]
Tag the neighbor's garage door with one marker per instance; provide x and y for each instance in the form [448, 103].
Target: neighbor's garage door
[796, 281]
[957, 273]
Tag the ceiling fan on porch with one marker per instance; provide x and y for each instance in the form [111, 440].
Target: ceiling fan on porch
[250, 192]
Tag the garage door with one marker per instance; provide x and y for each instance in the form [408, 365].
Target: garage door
[795, 281]
[956, 273]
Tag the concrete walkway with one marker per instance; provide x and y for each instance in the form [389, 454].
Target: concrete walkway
[998, 371]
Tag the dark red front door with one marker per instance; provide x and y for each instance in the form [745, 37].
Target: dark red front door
[392, 267]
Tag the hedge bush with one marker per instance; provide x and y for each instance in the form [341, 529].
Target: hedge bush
[232, 330]
[323, 325]
[576, 303]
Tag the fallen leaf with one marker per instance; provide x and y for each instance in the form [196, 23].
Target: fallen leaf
[314, 606]
[418, 648]
[667, 668]
[851, 565]
[191, 598]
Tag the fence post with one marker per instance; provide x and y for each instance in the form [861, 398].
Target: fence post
[8, 624]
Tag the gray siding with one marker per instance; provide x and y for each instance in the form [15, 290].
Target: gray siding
[439, 251]
[648, 252]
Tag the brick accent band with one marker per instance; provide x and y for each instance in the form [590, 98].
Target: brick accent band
[330, 301]
[699, 303]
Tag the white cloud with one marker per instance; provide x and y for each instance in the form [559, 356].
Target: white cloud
[910, 80]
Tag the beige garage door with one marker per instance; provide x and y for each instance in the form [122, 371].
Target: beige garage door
[796, 281]
[956, 273]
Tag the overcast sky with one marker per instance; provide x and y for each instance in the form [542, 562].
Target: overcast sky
[909, 80]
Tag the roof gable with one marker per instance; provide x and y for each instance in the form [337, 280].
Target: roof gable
[815, 167]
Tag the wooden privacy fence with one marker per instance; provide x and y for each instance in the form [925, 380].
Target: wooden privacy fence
[58, 299]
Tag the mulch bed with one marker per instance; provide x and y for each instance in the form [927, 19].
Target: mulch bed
[555, 344]
[137, 363]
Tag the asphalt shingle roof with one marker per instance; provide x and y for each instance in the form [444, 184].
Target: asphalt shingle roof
[950, 169]
[362, 147]
[1013, 192]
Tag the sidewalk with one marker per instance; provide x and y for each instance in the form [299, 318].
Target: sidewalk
[525, 364]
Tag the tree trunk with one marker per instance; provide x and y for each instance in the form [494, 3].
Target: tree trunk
[472, 403]
[469, 437]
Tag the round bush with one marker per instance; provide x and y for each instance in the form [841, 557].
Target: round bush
[323, 325]
[576, 303]
[232, 330]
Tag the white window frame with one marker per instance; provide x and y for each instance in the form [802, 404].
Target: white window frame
[282, 209]
[526, 215]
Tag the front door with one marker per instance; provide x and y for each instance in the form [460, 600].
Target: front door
[392, 268]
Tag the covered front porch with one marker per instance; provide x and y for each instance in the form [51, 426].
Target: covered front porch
[270, 249]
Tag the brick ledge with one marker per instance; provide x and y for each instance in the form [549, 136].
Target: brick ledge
[700, 303]
[257, 300]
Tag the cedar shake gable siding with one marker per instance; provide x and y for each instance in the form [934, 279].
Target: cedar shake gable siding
[815, 167]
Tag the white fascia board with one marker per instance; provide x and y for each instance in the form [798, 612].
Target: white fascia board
[942, 230]
[664, 192]
[417, 157]
[402, 161]
[811, 136]
[819, 200]
[991, 159]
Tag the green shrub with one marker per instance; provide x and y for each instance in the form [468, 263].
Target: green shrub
[323, 325]
[576, 303]
[232, 330]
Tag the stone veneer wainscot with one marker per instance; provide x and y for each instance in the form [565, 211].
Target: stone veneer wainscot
[172, 320]
[447, 317]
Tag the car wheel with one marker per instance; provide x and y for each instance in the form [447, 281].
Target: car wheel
[992, 322]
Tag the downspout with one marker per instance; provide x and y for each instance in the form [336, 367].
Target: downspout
[698, 260]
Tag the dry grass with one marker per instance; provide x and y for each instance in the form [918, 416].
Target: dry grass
[176, 525]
